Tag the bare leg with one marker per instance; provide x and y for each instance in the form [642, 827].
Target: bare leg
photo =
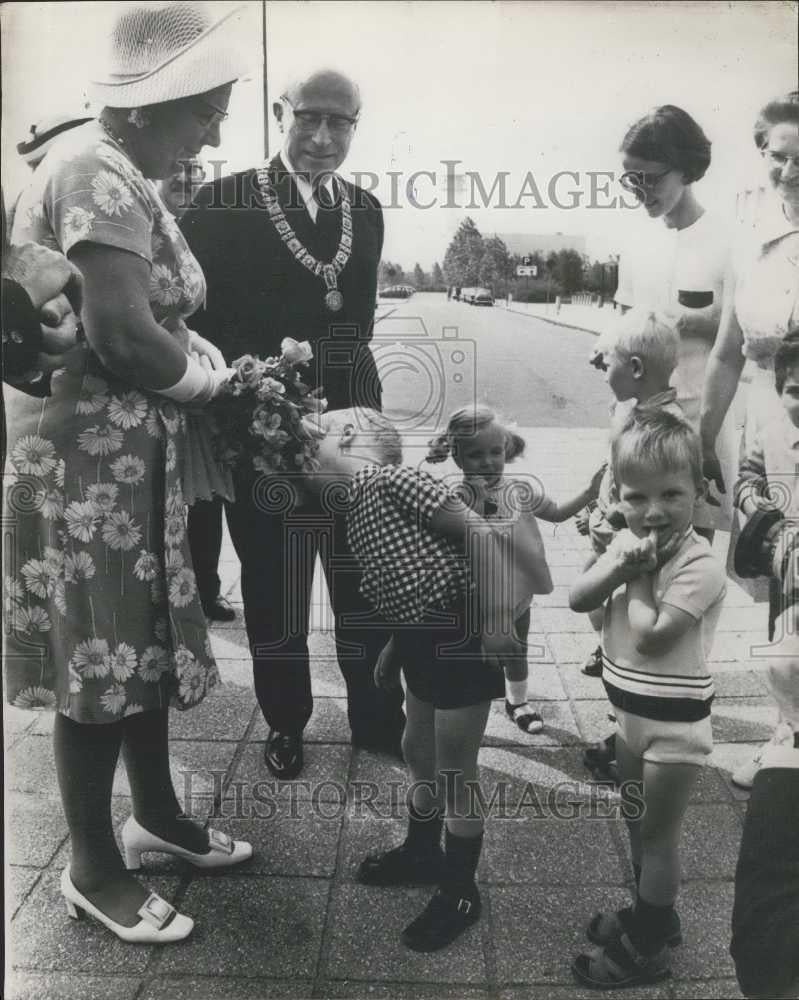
[631, 773]
[419, 750]
[667, 788]
[458, 734]
[86, 758]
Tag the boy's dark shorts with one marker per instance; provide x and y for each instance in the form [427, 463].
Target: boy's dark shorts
[447, 677]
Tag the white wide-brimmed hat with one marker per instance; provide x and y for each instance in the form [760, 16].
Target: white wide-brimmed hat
[165, 51]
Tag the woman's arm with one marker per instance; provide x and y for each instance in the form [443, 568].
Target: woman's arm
[722, 375]
[654, 631]
[118, 321]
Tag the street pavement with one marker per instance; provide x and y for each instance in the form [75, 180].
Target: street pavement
[293, 922]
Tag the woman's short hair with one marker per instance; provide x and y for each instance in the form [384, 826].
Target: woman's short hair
[651, 336]
[466, 423]
[670, 135]
[780, 110]
[656, 440]
[786, 358]
[388, 442]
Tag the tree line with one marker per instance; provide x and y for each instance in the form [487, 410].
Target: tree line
[472, 260]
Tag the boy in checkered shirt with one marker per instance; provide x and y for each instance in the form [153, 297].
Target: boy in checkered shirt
[451, 631]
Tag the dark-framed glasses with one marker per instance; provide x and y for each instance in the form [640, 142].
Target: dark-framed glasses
[308, 120]
[638, 180]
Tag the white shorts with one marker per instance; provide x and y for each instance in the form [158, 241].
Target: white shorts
[666, 742]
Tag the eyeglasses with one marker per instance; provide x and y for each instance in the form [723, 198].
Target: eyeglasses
[309, 121]
[636, 180]
[781, 159]
[210, 116]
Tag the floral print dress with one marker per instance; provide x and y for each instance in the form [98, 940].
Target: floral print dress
[102, 616]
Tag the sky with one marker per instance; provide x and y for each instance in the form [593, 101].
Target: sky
[529, 90]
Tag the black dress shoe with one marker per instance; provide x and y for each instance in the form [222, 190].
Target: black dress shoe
[402, 866]
[444, 918]
[219, 610]
[283, 755]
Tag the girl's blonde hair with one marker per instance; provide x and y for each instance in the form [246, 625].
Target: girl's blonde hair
[467, 423]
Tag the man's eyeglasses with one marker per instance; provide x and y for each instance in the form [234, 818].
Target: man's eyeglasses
[781, 159]
[309, 121]
[638, 180]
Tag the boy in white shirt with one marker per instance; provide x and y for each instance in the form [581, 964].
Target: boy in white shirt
[662, 589]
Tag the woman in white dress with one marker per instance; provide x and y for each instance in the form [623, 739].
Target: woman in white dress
[761, 305]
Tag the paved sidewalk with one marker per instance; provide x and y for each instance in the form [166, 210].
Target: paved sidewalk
[294, 923]
[591, 319]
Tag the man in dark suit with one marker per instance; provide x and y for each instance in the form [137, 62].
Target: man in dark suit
[292, 250]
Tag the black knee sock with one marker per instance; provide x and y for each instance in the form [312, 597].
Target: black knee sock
[462, 855]
[637, 874]
[424, 830]
[650, 926]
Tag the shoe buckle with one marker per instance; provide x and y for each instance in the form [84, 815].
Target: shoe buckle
[464, 905]
[156, 911]
[219, 841]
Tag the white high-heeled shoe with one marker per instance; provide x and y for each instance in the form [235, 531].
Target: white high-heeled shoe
[223, 851]
[160, 922]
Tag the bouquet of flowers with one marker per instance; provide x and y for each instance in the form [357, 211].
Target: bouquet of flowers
[260, 413]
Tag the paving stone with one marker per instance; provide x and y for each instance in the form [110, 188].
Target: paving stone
[377, 777]
[369, 834]
[564, 620]
[552, 851]
[570, 647]
[223, 715]
[61, 986]
[350, 989]
[328, 723]
[705, 909]
[564, 576]
[29, 766]
[230, 644]
[288, 838]
[560, 728]
[35, 828]
[386, 912]
[738, 646]
[727, 757]
[559, 598]
[42, 938]
[548, 930]
[268, 926]
[706, 989]
[592, 719]
[213, 988]
[752, 618]
[19, 881]
[324, 774]
[542, 991]
[739, 720]
[543, 683]
[525, 779]
[739, 684]
[565, 556]
[198, 770]
[579, 687]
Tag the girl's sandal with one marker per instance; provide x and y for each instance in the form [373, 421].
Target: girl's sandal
[619, 965]
[604, 927]
[525, 717]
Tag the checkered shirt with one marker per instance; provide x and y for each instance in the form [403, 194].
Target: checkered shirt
[407, 568]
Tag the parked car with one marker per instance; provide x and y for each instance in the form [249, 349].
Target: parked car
[481, 297]
[397, 292]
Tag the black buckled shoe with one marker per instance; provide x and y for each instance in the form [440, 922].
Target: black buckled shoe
[283, 755]
[445, 918]
[219, 610]
[402, 866]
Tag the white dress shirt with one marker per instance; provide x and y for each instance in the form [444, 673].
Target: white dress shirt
[304, 186]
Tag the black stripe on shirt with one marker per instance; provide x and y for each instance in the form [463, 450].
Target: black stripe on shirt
[661, 709]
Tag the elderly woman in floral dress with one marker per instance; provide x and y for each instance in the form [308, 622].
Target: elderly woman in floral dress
[106, 625]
